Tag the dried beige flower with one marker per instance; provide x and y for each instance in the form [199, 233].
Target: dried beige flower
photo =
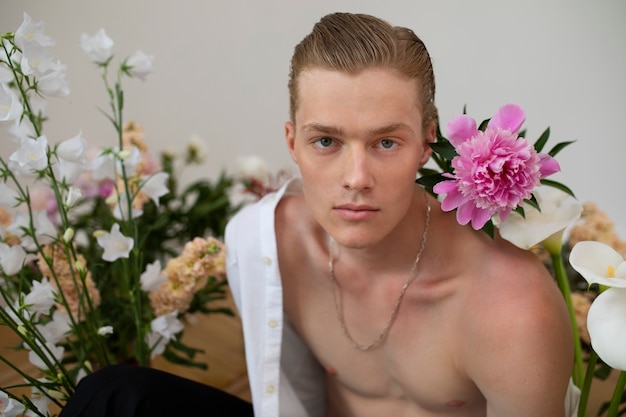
[66, 277]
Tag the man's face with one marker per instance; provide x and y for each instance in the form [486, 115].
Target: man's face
[358, 141]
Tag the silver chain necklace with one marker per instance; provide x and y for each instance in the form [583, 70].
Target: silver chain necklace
[337, 297]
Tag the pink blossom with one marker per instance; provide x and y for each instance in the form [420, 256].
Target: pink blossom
[495, 170]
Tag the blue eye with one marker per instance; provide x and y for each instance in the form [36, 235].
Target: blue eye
[325, 142]
[387, 143]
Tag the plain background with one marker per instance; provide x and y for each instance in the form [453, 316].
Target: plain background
[221, 73]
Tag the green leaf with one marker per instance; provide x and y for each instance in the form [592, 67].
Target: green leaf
[429, 181]
[520, 210]
[559, 147]
[444, 148]
[489, 229]
[543, 139]
[428, 171]
[560, 186]
[483, 125]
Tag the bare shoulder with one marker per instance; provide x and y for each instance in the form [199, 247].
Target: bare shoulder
[518, 331]
[298, 235]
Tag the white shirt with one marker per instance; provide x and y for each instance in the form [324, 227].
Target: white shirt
[285, 378]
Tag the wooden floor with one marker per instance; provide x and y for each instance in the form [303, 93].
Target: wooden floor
[219, 335]
[221, 338]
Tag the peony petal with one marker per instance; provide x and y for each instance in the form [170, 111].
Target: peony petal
[548, 165]
[453, 198]
[606, 322]
[592, 260]
[460, 129]
[508, 117]
[480, 218]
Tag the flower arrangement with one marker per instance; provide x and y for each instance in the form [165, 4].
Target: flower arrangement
[493, 177]
[101, 255]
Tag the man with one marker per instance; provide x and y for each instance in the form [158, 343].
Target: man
[358, 295]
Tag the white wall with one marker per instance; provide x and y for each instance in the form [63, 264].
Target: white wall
[221, 72]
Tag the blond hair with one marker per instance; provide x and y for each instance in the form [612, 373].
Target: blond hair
[353, 42]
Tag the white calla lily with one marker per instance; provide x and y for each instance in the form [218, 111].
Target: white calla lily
[558, 210]
[599, 263]
[606, 322]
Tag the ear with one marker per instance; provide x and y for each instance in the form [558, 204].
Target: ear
[290, 137]
[430, 136]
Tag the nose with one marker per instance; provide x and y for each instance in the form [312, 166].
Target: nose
[357, 172]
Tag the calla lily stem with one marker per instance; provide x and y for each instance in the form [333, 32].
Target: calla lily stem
[617, 395]
[563, 283]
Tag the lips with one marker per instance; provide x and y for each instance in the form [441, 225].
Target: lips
[355, 212]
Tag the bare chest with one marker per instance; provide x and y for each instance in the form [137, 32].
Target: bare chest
[415, 369]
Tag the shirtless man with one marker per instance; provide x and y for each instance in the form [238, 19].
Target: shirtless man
[466, 325]
[358, 295]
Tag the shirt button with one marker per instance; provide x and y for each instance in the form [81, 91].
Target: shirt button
[272, 323]
[270, 388]
[270, 198]
[267, 260]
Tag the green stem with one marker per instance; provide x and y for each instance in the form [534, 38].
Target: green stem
[563, 283]
[586, 388]
[617, 395]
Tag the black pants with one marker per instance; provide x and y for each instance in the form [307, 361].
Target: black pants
[129, 391]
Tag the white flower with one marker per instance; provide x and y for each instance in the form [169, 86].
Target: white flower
[164, 328]
[53, 82]
[152, 278]
[606, 322]
[73, 195]
[72, 158]
[10, 106]
[105, 330]
[56, 329]
[600, 264]
[115, 244]
[36, 60]
[12, 258]
[39, 398]
[130, 158]
[22, 129]
[44, 229]
[40, 299]
[103, 166]
[139, 64]
[167, 325]
[252, 166]
[97, 47]
[558, 210]
[48, 351]
[69, 171]
[8, 196]
[9, 407]
[30, 32]
[73, 149]
[156, 186]
[32, 154]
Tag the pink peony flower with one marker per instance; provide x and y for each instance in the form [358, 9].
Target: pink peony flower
[495, 170]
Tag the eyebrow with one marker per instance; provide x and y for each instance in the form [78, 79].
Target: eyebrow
[332, 130]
